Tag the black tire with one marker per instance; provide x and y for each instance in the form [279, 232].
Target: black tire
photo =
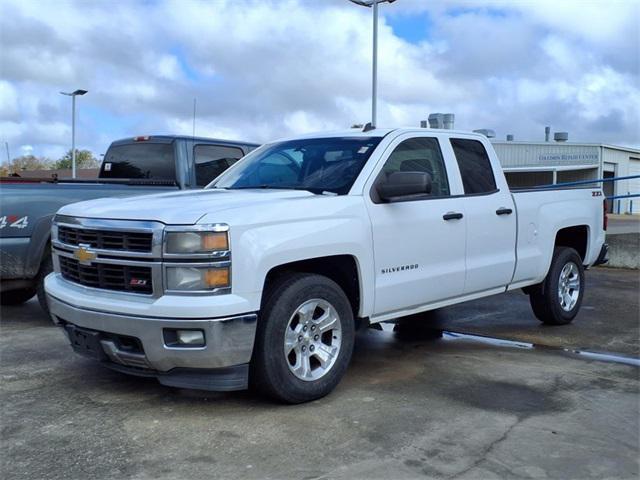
[270, 372]
[18, 296]
[545, 299]
[45, 269]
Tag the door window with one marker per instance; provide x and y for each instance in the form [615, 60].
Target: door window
[420, 154]
[475, 167]
[212, 160]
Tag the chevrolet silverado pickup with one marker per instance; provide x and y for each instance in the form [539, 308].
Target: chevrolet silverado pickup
[131, 166]
[262, 278]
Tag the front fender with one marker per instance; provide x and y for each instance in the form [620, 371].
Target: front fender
[262, 248]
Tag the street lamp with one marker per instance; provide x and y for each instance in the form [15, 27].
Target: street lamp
[374, 82]
[73, 96]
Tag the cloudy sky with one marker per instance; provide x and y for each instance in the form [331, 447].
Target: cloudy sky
[263, 69]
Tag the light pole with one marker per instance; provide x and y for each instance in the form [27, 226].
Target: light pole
[73, 96]
[374, 62]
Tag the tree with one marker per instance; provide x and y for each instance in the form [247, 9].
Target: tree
[84, 159]
[29, 162]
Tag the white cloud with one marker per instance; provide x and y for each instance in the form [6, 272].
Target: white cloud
[8, 100]
[267, 69]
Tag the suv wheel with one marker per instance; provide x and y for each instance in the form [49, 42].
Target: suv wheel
[304, 340]
[557, 300]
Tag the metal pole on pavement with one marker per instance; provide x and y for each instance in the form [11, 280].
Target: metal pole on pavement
[374, 62]
[73, 136]
[73, 96]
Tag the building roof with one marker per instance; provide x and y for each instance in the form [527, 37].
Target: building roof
[573, 144]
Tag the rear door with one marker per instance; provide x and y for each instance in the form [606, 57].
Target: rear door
[490, 217]
[419, 244]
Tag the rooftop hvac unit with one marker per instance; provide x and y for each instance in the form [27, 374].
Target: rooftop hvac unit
[561, 136]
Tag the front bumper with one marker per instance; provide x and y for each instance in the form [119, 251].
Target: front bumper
[227, 350]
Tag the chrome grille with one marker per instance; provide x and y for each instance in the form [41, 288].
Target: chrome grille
[122, 278]
[106, 239]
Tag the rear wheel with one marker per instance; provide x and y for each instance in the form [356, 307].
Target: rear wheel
[557, 300]
[304, 340]
[18, 296]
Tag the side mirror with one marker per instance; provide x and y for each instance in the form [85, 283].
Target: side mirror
[404, 184]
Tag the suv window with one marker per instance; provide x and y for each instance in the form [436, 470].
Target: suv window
[420, 154]
[212, 160]
[475, 167]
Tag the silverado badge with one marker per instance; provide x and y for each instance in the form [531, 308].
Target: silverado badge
[84, 255]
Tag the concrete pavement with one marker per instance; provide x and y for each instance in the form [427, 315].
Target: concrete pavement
[408, 408]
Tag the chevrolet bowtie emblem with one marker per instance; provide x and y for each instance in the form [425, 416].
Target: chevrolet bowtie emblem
[83, 255]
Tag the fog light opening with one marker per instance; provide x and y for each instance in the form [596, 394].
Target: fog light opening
[183, 338]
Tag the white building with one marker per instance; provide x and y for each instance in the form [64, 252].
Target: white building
[542, 163]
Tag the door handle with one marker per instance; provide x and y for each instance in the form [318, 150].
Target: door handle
[452, 216]
[504, 211]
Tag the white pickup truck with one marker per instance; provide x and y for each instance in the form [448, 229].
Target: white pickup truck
[263, 277]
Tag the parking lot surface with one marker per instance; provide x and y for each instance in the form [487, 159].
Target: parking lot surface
[410, 406]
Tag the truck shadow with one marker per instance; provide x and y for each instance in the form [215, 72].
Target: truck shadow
[28, 313]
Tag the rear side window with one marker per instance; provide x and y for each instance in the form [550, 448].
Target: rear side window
[140, 160]
[212, 160]
[475, 167]
[421, 154]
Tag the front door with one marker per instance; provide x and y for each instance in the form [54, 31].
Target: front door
[419, 244]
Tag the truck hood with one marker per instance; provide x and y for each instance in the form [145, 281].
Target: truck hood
[178, 208]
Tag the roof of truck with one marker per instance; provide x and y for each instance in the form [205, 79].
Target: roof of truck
[375, 132]
[171, 138]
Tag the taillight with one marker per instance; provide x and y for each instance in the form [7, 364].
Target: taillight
[141, 139]
[605, 216]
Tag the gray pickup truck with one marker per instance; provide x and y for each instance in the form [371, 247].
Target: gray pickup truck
[132, 166]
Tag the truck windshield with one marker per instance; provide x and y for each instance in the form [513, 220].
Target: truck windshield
[140, 160]
[318, 165]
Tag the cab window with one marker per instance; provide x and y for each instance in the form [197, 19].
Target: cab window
[420, 154]
[474, 165]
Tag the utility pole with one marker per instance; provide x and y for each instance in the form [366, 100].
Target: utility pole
[73, 96]
[374, 61]
[6, 144]
[193, 133]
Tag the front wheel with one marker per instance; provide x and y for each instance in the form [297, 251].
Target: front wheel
[304, 340]
[557, 300]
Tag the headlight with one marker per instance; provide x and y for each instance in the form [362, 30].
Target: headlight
[196, 242]
[197, 278]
